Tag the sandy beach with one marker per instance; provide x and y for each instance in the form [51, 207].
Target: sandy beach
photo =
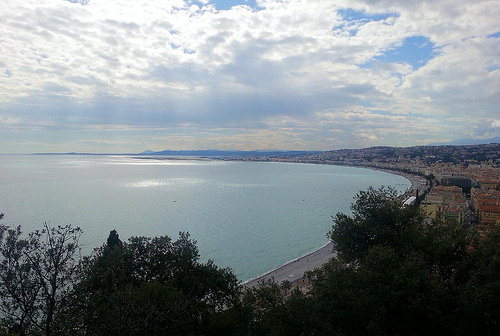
[295, 269]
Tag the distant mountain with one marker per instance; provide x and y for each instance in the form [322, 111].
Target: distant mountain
[466, 142]
[147, 152]
[202, 153]
[229, 153]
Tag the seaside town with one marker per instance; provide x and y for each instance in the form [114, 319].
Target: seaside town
[461, 183]
[458, 182]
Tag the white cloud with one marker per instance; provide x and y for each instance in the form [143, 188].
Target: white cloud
[154, 64]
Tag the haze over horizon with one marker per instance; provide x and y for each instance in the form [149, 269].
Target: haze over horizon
[114, 76]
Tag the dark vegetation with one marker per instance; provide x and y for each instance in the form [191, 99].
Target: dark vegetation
[396, 274]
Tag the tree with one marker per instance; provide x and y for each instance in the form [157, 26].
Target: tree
[378, 218]
[382, 293]
[19, 285]
[272, 309]
[479, 283]
[396, 274]
[35, 275]
[150, 286]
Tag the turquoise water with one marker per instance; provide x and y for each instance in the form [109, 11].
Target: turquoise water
[249, 216]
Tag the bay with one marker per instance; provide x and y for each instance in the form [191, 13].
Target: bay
[249, 216]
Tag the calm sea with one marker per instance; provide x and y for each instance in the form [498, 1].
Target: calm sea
[249, 216]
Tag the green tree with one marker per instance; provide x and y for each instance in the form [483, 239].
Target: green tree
[19, 285]
[397, 274]
[378, 218]
[152, 286]
[272, 309]
[479, 283]
[35, 275]
[381, 294]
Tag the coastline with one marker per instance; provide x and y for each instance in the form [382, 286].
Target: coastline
[417, 182]
[294, 270]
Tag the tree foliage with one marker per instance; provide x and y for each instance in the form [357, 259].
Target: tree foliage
[378, 218]
[149, 286]
[35, 275]
[396, 274]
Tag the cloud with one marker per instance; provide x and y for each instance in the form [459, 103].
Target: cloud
[318, 66]
[81, 2]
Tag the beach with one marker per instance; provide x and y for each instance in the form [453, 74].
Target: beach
[417, 182]
[295, 269]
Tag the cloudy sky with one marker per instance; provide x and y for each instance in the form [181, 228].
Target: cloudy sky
[126, 76]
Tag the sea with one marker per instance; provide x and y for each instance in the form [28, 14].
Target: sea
[248, 216]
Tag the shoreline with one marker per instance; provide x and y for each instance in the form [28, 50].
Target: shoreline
[294, 269]
[417, 182]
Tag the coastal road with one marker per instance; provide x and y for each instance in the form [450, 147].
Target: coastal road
[295, 269]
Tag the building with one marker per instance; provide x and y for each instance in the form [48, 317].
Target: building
[486, 203]
[459, 181]
[445, 202]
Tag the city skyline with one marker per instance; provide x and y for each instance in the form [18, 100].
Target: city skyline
[112, 76]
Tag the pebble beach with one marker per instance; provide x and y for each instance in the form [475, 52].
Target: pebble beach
[294, 270]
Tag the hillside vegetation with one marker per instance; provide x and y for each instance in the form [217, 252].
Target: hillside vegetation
[396, 274]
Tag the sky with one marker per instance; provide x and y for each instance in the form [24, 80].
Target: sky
[116, 76]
